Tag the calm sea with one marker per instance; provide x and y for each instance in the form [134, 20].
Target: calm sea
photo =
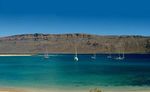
[61, 71]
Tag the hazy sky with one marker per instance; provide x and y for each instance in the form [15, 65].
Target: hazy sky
[103, 17]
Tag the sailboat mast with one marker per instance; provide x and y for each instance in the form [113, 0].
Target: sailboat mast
[123, 55]
[75, 47]
[75, 51]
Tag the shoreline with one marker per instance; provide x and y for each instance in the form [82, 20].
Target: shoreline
[106, 89]
[58, 53]
[2, 55]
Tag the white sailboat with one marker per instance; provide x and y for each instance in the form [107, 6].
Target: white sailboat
[109, 50]
[94, 56]
[46, 54]
[95, 45]
[120, 57]
[109, 56]
[76, 55]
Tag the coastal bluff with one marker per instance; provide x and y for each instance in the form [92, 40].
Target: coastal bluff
[66, 43]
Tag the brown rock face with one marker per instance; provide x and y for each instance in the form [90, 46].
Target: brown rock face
[65, 43]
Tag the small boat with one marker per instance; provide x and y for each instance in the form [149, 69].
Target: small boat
[76, 55]
[76, 58]
[93, 57]
[46, 54]
[121, 54]
[109, 56]
[120, 57]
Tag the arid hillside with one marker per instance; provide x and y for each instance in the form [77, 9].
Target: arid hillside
[66, 43]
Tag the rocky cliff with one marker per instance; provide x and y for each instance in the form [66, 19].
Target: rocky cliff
[66, 43]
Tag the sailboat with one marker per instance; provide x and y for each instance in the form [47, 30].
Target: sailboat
[120, 57]
[121, 52]
[94, 56]
[110, 50]
[46, 54]
[109, 56]
[76, 55]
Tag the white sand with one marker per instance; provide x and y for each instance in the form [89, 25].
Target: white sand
[15, 55]
[69, 90]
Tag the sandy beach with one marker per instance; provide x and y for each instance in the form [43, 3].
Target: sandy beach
[139, 89]
[15, 90]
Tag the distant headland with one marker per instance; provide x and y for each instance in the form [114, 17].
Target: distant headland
[66, 43]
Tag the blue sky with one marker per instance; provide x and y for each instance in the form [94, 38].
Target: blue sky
[103, 17]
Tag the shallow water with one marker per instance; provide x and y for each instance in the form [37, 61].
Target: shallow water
[60, 71]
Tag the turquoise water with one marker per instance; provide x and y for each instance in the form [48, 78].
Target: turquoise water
[60, 71]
